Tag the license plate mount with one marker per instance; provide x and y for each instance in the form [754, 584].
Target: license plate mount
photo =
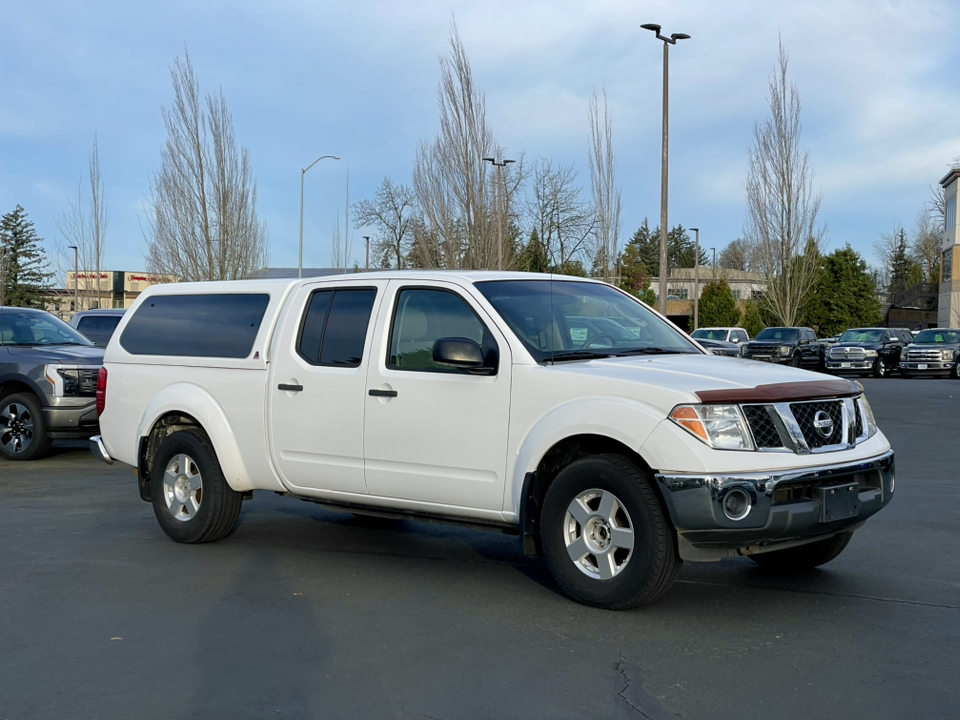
[921, 367]
[844, 365]
[839, 502]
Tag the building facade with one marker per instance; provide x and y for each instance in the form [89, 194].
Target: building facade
[948, 309]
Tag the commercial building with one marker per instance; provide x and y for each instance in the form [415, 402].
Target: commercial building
[948, 311]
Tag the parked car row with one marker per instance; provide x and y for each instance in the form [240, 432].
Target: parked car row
[48, 377]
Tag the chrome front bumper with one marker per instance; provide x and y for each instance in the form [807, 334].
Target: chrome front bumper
[850, 364]
[785, 507]
[99, 450]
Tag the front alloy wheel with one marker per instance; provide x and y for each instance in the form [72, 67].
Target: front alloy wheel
[607, 541]
[880, 368]
[23, 433]
[599, 534]
[182, 487]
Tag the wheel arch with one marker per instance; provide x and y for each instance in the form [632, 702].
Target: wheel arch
[184, 406]
[557, 457]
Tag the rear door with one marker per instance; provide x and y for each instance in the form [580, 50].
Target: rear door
[316, 396]
[433, 433]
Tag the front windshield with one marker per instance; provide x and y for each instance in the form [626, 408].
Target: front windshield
[18, 327]
[566, 319]
[938, 337]
[863, 336]
[705, 334]
[784, 334]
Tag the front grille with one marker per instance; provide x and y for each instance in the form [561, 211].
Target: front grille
[762, 426]
[847, 353]
[807, 414]
[923, 355]
[859, 420]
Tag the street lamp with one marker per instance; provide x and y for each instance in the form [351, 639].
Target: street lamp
[76, 292]
[696, 281]
[366, 239]
[667, 42]
[302, 173]
[499, 165]
[714, 264]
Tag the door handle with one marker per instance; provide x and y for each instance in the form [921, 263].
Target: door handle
[289, 388]
[382, 393]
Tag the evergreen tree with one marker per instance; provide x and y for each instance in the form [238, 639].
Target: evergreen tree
[24, 275]
[753, 320]
[903, 269]
[634, 277]
[718, 308]
[681, 248]
[533, 257]
[844, 296]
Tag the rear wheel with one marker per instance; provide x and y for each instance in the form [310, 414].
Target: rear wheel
[955, 374]
[191, 498]
[804, 557]
[606, 538]
[23, 431]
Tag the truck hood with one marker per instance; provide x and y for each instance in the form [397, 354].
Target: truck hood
[932, 346]
[64, 354]
[682, 376]
[864, 345]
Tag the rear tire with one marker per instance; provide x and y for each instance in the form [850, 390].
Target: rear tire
[795, 362]
[804, 557]
[880, 369]
[23, 431]
[191, 498]
[606, 538]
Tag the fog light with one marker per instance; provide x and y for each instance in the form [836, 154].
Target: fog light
[736, 504]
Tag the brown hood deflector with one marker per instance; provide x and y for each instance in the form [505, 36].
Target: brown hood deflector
[783, 392]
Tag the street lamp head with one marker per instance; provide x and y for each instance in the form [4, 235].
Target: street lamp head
[651, 26]
[507, 162]
[695, 229]
[488, 159]
[680, 36]
[71, 247]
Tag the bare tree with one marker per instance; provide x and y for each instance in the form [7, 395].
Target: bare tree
[563, 220]
[203, 223]
[782, 206]
[450, 178]
[925, 245]
[85, 229]
[885, 247]
[342, 245]
[606, 195]
[735, 256]
[391, 214]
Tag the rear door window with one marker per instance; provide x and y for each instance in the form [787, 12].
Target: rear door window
[223, 325]
[334, 327]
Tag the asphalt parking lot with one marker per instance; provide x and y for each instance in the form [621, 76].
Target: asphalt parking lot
[308, 613]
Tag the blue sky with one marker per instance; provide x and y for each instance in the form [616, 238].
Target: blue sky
[880, 82]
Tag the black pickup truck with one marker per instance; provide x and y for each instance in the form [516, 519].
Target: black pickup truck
[933, 352]
[867, 351]
[796, 346]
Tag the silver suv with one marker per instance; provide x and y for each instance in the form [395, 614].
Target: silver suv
[48, 383]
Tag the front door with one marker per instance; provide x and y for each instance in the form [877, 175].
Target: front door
[316, 394]
[433, 433]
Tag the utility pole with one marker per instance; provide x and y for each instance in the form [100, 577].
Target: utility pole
[499, 165]
[664, 269]
[366, 239]
[76, 291]
[696, 281]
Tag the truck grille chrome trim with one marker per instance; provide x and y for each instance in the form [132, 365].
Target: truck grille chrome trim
[805, 427]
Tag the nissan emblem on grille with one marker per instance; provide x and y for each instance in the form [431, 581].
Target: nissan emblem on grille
[823, 423]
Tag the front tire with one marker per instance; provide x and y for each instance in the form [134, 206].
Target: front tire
[23, 431]
[804, 557]
[191, 498]
[606, 538]
[880, 369]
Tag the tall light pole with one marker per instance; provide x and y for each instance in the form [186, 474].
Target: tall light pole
[499, 165]
[366, 239]
[664, 269]
[714, 264]
[696, 281]
[76, 291]
[302, 173]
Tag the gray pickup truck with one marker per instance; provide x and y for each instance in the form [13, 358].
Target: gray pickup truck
[48, 383]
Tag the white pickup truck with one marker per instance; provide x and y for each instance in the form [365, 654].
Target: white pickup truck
[555, 408]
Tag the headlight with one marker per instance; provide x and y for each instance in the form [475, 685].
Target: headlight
[719, 426]
[786, 350]
[946, 355]
[72, 381]
[903, 353]
[868, 414]
[869, 353]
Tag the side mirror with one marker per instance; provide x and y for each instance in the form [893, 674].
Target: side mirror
[461, 353]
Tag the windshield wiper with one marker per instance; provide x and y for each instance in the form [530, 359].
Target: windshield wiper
[578, 355]
[650, 351]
